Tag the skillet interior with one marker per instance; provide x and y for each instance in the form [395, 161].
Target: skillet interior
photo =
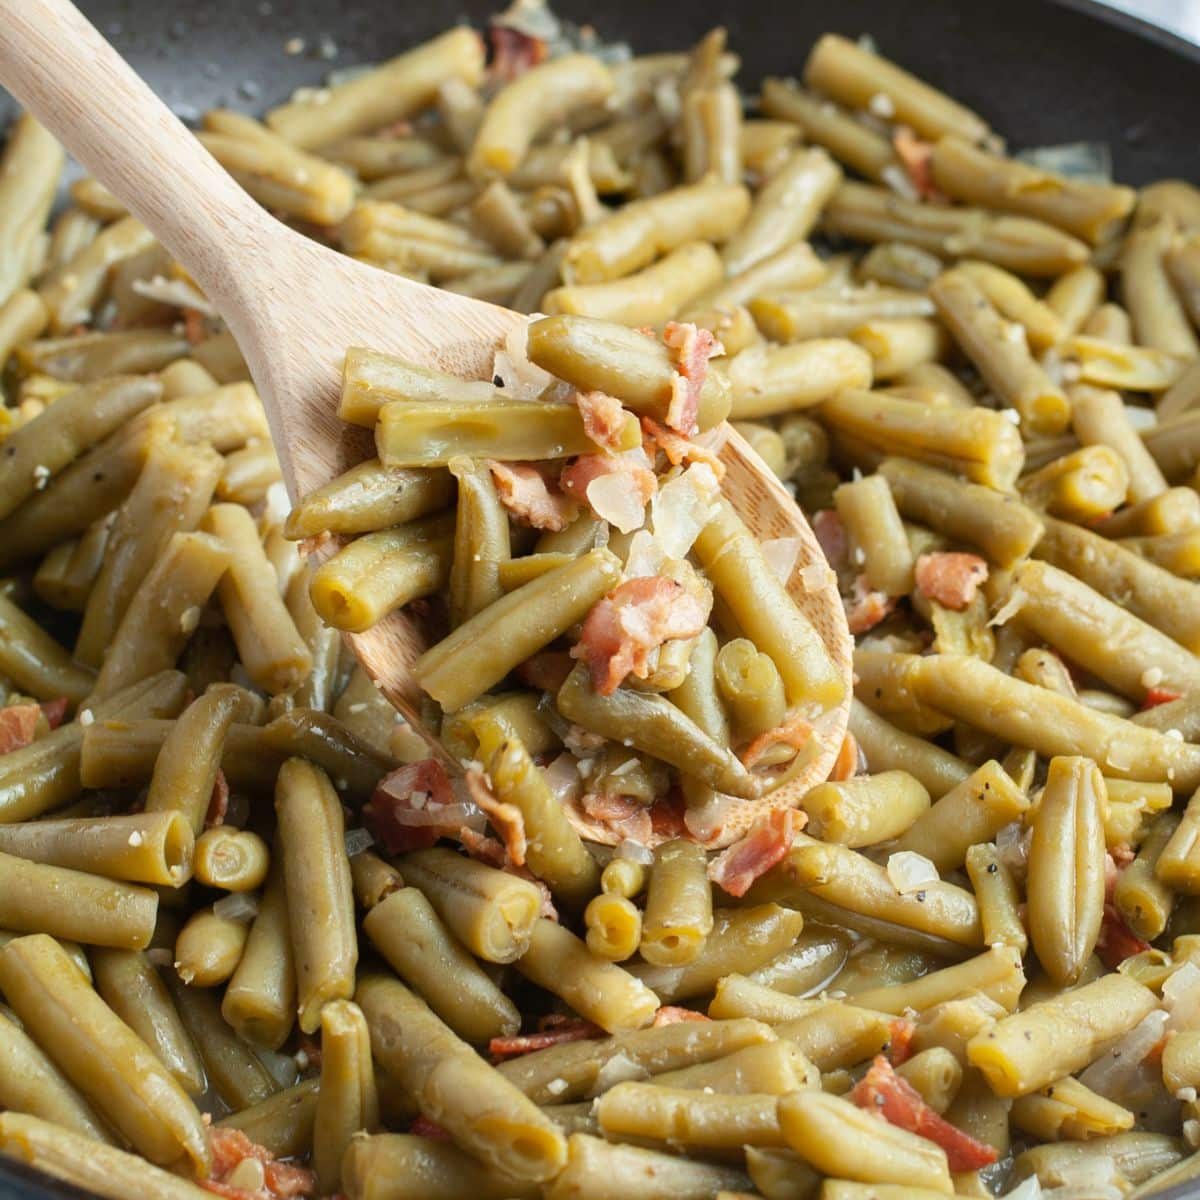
[1040, 72]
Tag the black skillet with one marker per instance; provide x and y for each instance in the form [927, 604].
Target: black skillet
[1041, 72]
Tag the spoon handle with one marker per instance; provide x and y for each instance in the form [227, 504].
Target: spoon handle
[57, 64]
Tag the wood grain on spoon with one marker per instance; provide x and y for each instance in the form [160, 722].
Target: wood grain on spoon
[295, 307]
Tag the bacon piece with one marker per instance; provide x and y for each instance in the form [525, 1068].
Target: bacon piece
[1159, 695]
[680, 449]
[1117, 941]
[282, 1180]
[901, 1032]
[693, 348]
[514, 53]
[845, 766]
[866, 608]
[218, 804]
[506, 819]
[604, 419]
[672, 1014]
[916, 157]
[424, 1127]
[525, 493]
[18, 726]
[890, 1095]
[636, 482]
[950, 577]
[752, 856]
[1122, 855]
[831, 535]
[546, 670]
[193, 326]
[482, 848]
[55, 710]
[405, 811]
[666, 816]
[619, 814]
[571, 1030]
[793, 732]
[633, 620]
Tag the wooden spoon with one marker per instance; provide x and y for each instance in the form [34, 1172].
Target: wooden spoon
[295, 307]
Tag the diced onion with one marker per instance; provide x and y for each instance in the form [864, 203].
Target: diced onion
[1181, 998]
[563, 777]
[619, 1069]
[781, 554]
[1089, 162]
[705, 821]
[358, 840]
[614, 501]
[237, 906]
[645, 558]
[176, 292]
[1113, 1073]
[681, 509]
[1030, 1189]
[634, 852]
[909, 871]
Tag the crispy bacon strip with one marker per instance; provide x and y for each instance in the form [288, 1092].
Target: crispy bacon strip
[1117, 941]
[672, 1014]
[752, 856]
[55, 710]
[619, 814]
[680, 449]
[526, 494]
[506, 819]
[421, 786]
[884, 1092]
[693, 348]
[793, 732]
[603, 418]
[1159, 695]
[916, 157]
[950, 577]
[218, 804]
[632, 621]
[18, 726]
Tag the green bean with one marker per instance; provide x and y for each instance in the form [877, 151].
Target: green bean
[490, 911]
[31, 166]
[542, 1074]
[772, 1068]
[1143, 894]
[31, 1083]
[133, 989]
[1135, 1157]
[887, 748]
[347, 1101]
[614, 927]
[548, 606]
[825, 313]
[806, 966]
[1083, 485]
[34, 661]
[678, 916]
[741, 939]
[100, 1054]
[405, 929]
[1174, 511]
[751, 687]
[90, 357]
[781, 1174]
[228, 418]
[839, 1138]
[871, 519]
[1178, 863]
[478, 1106]
[1033, 1048]
[260, 999]
[1018, 244]
[209, 948]
[282, 1123]
[481, 540]
[83, 1161]
[896, 265]
[867, 809]
[705, 1120]
[1099, 416]
[653, 725]
[997, 897]
[1159, 319]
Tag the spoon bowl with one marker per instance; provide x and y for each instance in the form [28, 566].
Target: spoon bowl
[295, 306]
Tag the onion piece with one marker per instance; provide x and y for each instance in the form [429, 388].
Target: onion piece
[910, 872]
[237, 906]
[781, 555]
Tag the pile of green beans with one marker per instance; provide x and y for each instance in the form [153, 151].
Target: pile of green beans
[252, 935]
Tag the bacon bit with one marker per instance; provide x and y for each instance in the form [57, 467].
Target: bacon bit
[950, 577]
[514, 53]
[693, 348]
[482, 848]
[1117, 941]
[310, 1045]
[680, 449]
[764, 845]
[916, 157]
[193, 326]
[832, 537]
[666, 816]
[901, 1032]
[866, 608]
[506, 819]
[1111, 875]
[845, 766]
[1159, 695]
[18, 726]
[631, 622]
[311, 545]
[672, 1014]
[424, 1127]
[395, 793]
[525, 493]
[620, 815]
[218, 804]
[587, 468]
[793, 732]
[603, 418]
[890, 1095]
[1122, 855]
[571, 1030]
[283, 1180]
[546, 670]
[55, 710]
